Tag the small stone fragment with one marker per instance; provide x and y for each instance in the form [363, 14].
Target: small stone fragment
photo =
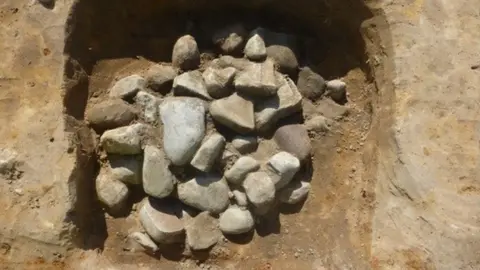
[205, 192]
[236, 221]
[245, 144]
[160, 220]
[319, 123]
[158, 181]
[185, 54]
[203, 232]
[294, 139]
[240, 169]
[126, 169]
[230, 39]
[284, 57]
[337, 90]
[235, 112]
[127, 87]
[8, 160]
[191, 84]
[110, 114]
[255, 49]
[149, 103]
[310, 84]
[260, 191]
[144, 240]
[160, 78]
[282, 167]
[219, 81]
[123, 140]
[257, 80]
[240, 198]
[294, 192]
[226, 61]
[183, 128]
[112, 193]
[208, 152]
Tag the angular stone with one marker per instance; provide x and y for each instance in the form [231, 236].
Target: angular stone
[127, 87]
[219, 81]
[245, 144]
[123, 140]
[258, 80]
[203, 232]
[337, 90]
[282, 167]
[113, 194]
[160, 78]
[310, 84]
[260, 191]
[186, 55]
[126, 169]
[226, 61]
[255, 49]
[191, 84]
[183, 128]
[287, 102]
[230, 39]
[240, 198]
[149, 104]
[209, 152]
[294, 139]
[158, 181]
[205, 192]
[284, 57]
[144, 240]
[160, 220]
[240, 169]
[235, 112]
[110, 114]
[236, 221]
[294, 192]
[319, 123]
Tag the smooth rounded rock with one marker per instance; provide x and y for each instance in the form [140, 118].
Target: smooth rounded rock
[294, 192]
[236, 221]
[157, 179]
[310, 84]
[203, 232]
[294, 139]
[113, 194]
[205, 192]
[110, 114]
[219, 82]
[127, 87]
[160, 220]
[245, 144]
[260, 191]
[337, 90]
[160, 78]
[235, 112]
[244, 165]
[282, 167]
[123, 140]
[185, 53]
[208, 152]
[255, 49]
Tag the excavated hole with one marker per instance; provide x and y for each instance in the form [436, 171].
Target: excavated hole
[108, 41]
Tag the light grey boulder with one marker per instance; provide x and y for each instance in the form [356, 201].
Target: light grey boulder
[219, 82]
[127, 87]
[235, 112]
[243, 166]
[236, 221]
[281, 168]
[183, 128]
[255, 49]
[113, 194]
[257, 80]
[294, 192]
[240, 198]
[286, 102]
[123, 140]
[337, 90]
[260, 191]
[158, 181]
[208, 152]
[109, 114]
[191, 84]
[245, 144]
[203, 232]
[230, 39]
[160, 78]
[294, 139]
[144, 240]
[186, 55]
[310, 84]
[126, 168]
[205, 192]
[149, 104]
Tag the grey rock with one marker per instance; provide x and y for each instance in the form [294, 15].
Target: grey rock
[319, 123]
[255, 49]
[160, 221]
[183, 128]
[208, 152]
[294, 192]
[203, 232]
[158, 181]
[126, 169]
[236, 221]
[295, 140]
[191, 84]
[240, 198]
[245, 144]
[205, 192]
[127, 87]
[257, 80]
[110, 114]
[149, 104]
[330, 109]
[240, 169]
[281, 168]
[337, 90]
[287, 102]
[226, 61]
[144, 240]
[219, 81]
[260, 191]
[113, 194]
[284, 57]
[160, 78]
[235, 112]
[123, 140]
[310, 84]
[185, 53]
[230, 39]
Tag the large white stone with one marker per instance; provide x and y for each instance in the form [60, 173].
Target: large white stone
[203, 232]
[158, 181]
[255, 48]
[209, 152]
[282, 167]
[260, 191]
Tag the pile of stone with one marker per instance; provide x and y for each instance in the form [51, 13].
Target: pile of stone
[153, 126]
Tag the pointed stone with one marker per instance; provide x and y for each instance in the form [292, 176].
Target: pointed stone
[235, 112]
[208, 153]
[191, 84]
[255, 49]
[260, 191]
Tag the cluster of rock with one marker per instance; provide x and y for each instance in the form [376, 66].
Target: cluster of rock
[170, 107]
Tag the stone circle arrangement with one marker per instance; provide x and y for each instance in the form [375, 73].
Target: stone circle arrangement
[166, 131]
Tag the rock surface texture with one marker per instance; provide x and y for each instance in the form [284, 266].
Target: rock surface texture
[203, 232]
[236, 221]
[294, 139]
[123, 140]
[205, 192]
[235, 112]
[158, 181]
[160, 221]
[260, 191]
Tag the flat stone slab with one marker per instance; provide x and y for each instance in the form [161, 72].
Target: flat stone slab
[282, 167]
[127, 87]
[205, 192]
[209, 152]
[160, 220]
[203, 232]
[123, 140]
[257, 80]
[260, 191]
[191, 84]
[157, 179]
[294, 139]
[110, 114]
[236, 221]
[235, 112]
[255, 49]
